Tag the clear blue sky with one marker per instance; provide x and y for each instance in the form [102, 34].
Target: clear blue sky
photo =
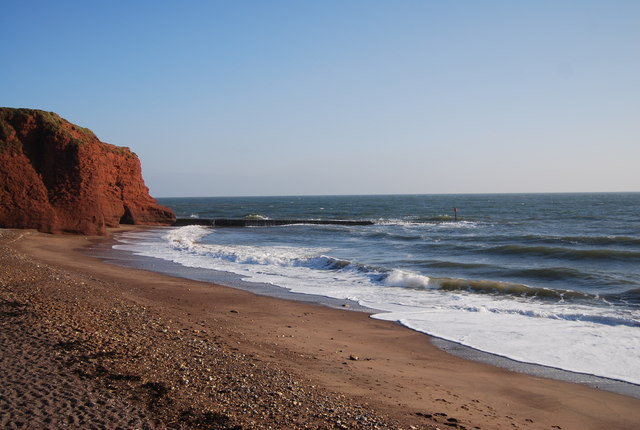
[223, 98]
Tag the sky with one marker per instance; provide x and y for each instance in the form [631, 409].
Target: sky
[249, 98]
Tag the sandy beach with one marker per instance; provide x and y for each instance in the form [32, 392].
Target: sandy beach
[86, 344]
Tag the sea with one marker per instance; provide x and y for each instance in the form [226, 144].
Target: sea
[547, 279]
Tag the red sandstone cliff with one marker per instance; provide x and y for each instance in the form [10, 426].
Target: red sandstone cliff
[58, 177]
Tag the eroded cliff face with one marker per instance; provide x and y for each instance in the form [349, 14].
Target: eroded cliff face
[58, 177]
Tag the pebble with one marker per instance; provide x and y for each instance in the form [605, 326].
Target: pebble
[135, 353]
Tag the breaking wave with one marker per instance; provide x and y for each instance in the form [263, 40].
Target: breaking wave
[187, 239]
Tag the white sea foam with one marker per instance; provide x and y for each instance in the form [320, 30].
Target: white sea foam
[401, 278]
[580, 338]
[256, 217]
[436, 223]
[529, 335]
[187, 236]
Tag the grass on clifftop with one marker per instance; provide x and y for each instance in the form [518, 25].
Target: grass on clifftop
[52, 124]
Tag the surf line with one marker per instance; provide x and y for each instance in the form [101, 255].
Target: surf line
[242, 222]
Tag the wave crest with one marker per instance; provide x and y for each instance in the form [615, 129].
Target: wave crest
[187, 236]
[401, 278]
[508, 288]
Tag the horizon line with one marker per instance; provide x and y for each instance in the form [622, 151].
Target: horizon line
[398, 194]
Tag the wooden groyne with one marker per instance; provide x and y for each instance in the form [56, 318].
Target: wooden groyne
[241, 222]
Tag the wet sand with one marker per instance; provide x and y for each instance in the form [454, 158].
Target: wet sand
[85, 343]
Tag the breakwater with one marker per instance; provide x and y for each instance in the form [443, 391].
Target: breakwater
[242, 222]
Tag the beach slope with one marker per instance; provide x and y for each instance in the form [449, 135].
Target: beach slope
[85, 342]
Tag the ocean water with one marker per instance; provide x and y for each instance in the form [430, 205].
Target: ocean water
[550, 279]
